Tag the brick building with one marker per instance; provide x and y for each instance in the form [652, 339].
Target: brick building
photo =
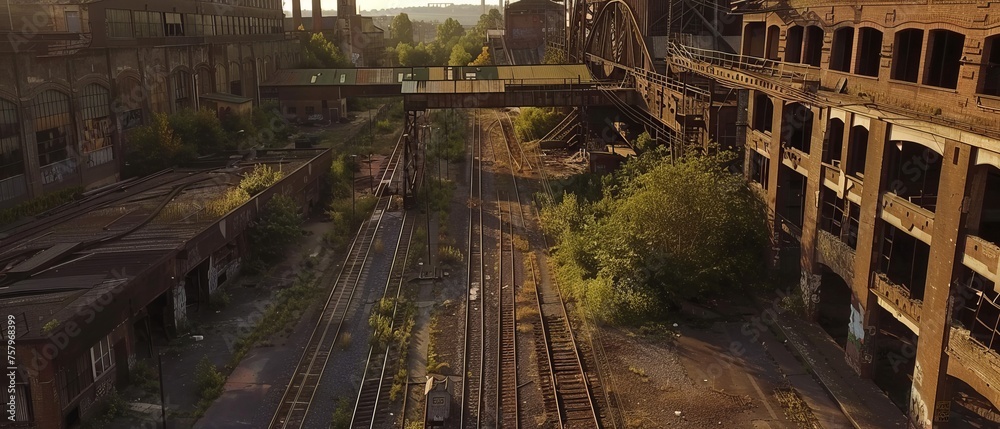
[77, 75]
[877, 149]
[103, 282]
[872, 132]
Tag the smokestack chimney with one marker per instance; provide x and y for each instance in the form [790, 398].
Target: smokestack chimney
[296, 14]
[317, 16]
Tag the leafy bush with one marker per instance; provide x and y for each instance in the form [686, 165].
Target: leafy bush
[261, 178]
[534, 123]
[210, 383]
[342, 415]
[709, 233]
[278, 227]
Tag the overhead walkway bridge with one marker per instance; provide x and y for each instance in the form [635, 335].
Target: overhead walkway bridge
[424, 88]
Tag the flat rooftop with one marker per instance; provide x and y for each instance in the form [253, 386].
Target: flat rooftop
[56, 265]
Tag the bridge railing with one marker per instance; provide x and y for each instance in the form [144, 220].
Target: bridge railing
[656, 79]
[773, 68]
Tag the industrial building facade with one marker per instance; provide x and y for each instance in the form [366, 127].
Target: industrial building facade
[77, 75]
[884, 181]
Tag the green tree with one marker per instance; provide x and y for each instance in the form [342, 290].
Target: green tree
[201, 131]
[484, 58]
[401, 29]
[317, 52]
[449, 32]
[459, 57]
[643, 142]
[277, 228]
[662, 233]
[534, 123]
[414, 56]
[154, 147]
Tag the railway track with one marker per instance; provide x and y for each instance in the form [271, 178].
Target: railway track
[507, 409]
[301, 389]
[472, 363]
[571, 386]
[371, 408]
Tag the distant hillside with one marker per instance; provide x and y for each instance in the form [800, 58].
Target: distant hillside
[466, 14]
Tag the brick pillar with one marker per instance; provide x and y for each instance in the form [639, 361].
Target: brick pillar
[810, 280]
[930, 379]
[869, 235]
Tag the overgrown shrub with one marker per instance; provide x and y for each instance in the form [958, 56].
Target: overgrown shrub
[707, 238]
[277, 228]
[39, 205]
[534, 123]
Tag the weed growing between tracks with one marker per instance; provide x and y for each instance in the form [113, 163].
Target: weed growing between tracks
[342, 415]
[402, 334]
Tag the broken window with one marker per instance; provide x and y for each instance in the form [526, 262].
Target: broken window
[833, 145]
[906, 54]
[791, 196]
[831, 213]
[753, 40]
[53, 133]
[981, 313]
[991, 67]
[11, 150]
[758, 168]
[857, 151]
[796, 126]
[989, 218]
[903, 259]
[793, 44]
[843, 49]
[944, 58]
[773, 37]
[181, 85]
[812, 53]
[913, 172]
[869, 52]
[763, 113]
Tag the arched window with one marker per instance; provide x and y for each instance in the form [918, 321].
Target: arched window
[180, 84]
[796, 126]
[906, 54]
[53, 134]
[812, 54]
[793, 44]
[944, 49]
[97, 136]
[753, 39]
[991, 67]
[12, 184]
[843, 49]
[869, 52]
[773, 34]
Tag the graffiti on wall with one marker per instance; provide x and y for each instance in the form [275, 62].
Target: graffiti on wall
[855, 349]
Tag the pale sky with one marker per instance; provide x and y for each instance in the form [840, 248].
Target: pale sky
[382, 4]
